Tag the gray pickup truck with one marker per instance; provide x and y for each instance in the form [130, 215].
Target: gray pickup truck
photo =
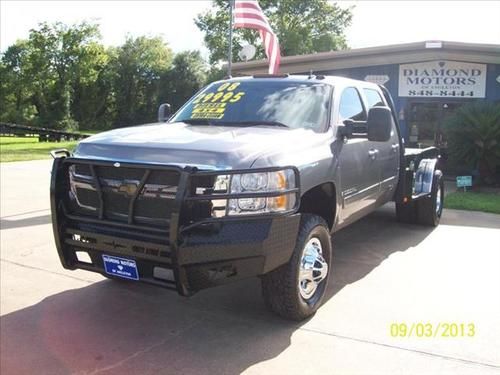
[251, 177]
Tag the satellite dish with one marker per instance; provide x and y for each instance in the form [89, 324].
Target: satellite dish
[247, 52]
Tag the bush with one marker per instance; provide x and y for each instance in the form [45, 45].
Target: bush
[67, 124]
[473, 134]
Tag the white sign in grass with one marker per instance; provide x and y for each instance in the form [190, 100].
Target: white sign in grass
[464, 181]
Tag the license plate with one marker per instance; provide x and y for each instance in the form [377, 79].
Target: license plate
[120, 267]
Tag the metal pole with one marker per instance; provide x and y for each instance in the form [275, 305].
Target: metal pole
[230, 52]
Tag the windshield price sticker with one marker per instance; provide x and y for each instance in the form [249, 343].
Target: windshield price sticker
[212, 105]
[209, 110]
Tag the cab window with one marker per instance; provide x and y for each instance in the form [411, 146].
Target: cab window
[351, 106]
[373, 97]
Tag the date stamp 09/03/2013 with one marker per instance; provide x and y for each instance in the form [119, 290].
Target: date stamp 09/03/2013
[432, 330]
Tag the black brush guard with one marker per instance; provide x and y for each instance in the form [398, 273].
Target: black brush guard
[199, 254]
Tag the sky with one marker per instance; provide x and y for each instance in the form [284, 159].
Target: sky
[375, 22]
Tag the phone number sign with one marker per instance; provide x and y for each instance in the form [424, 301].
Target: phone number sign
[453, 79]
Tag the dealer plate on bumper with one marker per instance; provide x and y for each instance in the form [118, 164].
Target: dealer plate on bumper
[120, 267]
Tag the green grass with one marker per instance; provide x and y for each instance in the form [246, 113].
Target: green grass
[91, 132]
[18, 148]
[472, 201]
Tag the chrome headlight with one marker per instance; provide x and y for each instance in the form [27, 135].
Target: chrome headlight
[262, 182]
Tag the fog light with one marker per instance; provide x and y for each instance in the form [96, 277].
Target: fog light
[83, 257]
[163, 274]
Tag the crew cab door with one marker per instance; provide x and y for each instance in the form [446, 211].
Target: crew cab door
[358, 166]
[388, 157]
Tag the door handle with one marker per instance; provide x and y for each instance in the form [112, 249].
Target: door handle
[395, 147]
[372, 153]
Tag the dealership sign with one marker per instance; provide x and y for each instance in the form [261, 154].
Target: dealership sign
[442, 79]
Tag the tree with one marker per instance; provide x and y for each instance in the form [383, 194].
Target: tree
[138, 66]
[63, 77]
[59, 57]
[92, 104]
[14, 85]
[302, 27]
[473, 134]
[187, 75]
[39, 74]
[216, 73]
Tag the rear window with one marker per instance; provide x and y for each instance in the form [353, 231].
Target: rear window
[373, 97]
[351, 107]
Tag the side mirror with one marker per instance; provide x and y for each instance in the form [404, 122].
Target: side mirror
[379, 124]
[164, 112]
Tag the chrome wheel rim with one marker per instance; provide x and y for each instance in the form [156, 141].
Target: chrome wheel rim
[313, 268]
[438, 201]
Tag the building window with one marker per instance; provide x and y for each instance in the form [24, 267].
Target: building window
[351, 106]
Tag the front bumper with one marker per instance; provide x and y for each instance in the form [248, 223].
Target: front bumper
[186, 259]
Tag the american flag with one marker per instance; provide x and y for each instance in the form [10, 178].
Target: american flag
[248, 14]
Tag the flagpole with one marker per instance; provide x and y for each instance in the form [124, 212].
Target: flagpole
[230, 52]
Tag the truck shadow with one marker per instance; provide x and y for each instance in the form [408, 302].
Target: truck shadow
[121, 327]
[25, 222]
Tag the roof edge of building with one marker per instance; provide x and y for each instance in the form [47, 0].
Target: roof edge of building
[378, 55]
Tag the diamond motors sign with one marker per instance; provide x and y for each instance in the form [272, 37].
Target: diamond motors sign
[441, 78]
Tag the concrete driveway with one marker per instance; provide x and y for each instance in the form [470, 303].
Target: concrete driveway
[59, 322]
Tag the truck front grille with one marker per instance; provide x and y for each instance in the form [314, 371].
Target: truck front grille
[123, 194]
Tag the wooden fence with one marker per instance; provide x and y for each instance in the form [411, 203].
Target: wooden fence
[43, 134]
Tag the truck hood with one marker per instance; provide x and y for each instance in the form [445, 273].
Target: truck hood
[208, 147]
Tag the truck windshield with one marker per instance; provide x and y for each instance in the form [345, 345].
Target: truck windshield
[253, 103]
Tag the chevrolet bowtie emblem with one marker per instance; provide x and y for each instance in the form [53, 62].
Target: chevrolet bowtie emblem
[128, 188]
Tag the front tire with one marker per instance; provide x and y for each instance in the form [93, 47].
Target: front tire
[296, 289]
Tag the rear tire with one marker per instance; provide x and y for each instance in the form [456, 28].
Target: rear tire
[430, 209]
[296, 289]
